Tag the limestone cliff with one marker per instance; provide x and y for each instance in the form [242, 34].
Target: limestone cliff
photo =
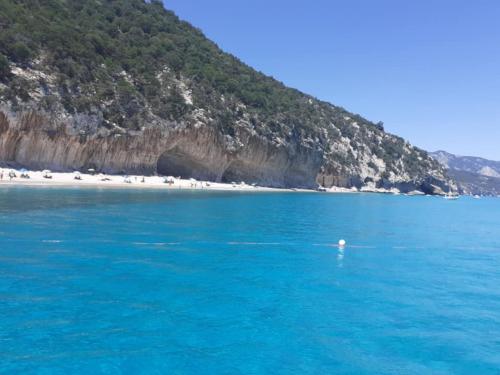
[43, 140]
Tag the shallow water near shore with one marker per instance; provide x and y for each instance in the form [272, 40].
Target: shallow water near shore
[192, 282]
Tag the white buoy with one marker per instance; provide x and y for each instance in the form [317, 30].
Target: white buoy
[342, 243]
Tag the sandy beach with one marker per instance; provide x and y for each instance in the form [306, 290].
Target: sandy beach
[10, 177]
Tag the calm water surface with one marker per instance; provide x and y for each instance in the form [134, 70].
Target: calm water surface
[103, 281]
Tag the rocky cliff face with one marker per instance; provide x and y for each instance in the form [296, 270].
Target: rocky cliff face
[189, 111]
[38, 139]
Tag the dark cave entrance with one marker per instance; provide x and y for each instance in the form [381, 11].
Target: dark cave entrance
[232, 173]
[178, 163]
[239, 171]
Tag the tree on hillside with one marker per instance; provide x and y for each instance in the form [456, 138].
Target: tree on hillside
[4, 68]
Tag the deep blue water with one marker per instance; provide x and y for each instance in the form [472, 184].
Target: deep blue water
[102, 281]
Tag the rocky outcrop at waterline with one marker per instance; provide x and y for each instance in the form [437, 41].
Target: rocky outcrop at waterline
[132, 89]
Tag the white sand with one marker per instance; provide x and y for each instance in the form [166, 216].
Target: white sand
[104, 180]
[155, 182]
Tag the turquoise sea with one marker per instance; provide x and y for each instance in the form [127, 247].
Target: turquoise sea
[156, 282]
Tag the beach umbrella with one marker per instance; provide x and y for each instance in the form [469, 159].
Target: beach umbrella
[192, 180]
[46, 171]
[23, 170]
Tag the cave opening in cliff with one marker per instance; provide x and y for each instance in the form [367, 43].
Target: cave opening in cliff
[239, 171]
[231, 174]
[178, 163]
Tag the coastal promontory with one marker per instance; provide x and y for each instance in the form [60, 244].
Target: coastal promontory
[125, 86]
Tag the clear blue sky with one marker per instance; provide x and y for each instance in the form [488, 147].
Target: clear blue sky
[429, 69]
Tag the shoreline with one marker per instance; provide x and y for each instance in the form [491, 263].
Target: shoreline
[67, 179]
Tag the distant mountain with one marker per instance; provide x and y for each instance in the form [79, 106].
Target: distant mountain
[472, 164]
[474, 175]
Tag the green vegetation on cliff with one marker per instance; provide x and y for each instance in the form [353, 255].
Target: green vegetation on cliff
[92, 43]
[98, 48]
